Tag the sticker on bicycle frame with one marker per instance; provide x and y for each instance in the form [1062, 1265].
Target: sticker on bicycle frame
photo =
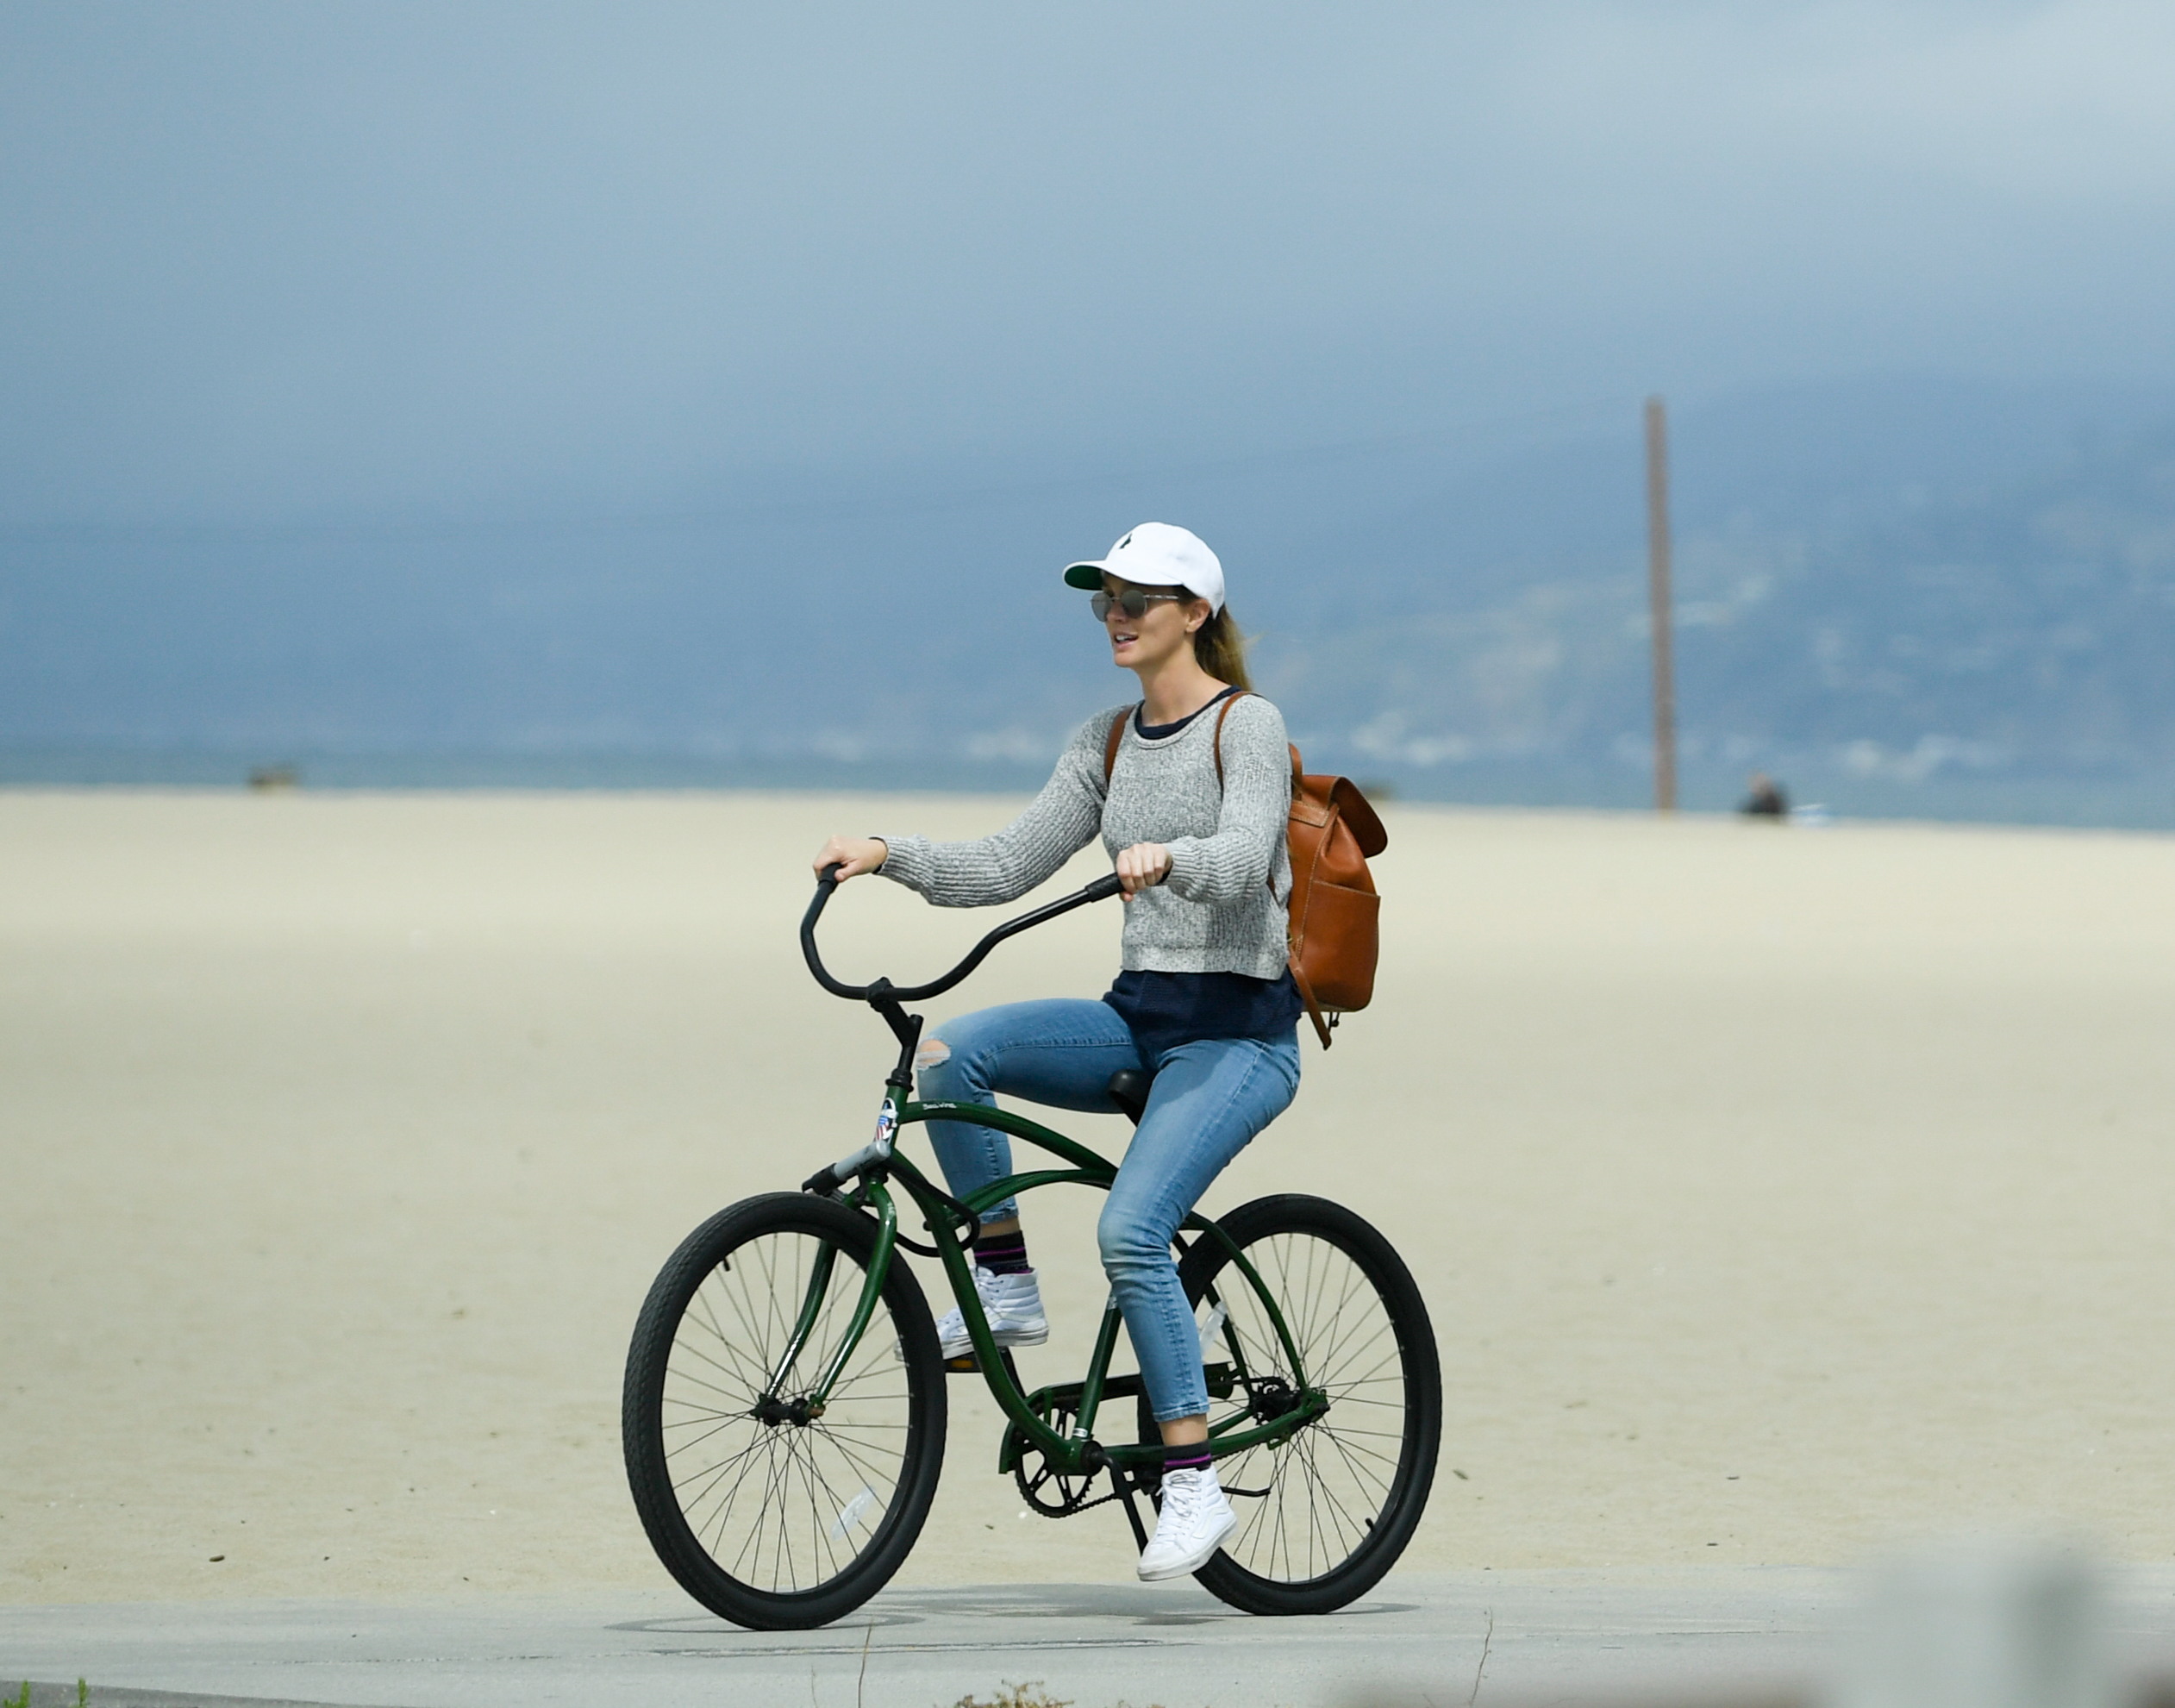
[886, 1124]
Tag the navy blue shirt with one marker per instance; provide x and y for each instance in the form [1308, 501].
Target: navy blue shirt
[1165, 1010]
[1156, 732]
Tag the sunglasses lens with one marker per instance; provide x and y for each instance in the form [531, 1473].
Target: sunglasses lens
[1133, 602]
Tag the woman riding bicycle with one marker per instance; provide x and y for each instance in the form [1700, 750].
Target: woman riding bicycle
[1193, 816]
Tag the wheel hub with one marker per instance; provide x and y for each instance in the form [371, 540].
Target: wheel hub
[1269, 1397]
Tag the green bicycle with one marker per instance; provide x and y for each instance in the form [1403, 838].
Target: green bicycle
[784, 1411]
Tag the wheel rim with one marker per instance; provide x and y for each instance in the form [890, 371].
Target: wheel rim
[781, 1501]
[1308, 1506]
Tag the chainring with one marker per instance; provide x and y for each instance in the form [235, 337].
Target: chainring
[1048, 1491]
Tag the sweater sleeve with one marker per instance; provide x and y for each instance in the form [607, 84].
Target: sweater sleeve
[1257, 801]
[1057, 823]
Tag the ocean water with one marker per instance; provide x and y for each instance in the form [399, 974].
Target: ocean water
[2125, 801]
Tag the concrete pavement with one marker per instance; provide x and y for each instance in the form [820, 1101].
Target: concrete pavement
[1717, 1636]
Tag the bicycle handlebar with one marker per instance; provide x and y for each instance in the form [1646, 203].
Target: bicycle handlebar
[827, 880]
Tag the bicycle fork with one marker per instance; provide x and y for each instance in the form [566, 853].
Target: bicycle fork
[812, 1404]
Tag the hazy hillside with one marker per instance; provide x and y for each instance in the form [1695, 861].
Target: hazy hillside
[1918, 617]
[1897, 586]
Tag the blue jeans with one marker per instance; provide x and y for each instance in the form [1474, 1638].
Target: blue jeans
[1210, 1099]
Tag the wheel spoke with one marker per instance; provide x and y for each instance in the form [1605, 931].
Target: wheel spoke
[1315, 1504]
[779, 1503]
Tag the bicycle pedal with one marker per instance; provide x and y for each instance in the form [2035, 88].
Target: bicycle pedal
[965, 1365]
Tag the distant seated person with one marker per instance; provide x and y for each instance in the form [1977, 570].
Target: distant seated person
[1767, 800]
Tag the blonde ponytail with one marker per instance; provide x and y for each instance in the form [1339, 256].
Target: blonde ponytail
[1219, 649]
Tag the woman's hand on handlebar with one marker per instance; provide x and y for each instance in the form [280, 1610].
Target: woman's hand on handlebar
[1143, 866]
[853, 855]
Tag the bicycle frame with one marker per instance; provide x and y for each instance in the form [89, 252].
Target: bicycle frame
[878, 1163]
[1073, 1453]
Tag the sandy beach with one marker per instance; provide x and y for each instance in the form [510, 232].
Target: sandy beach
[1776, 1192]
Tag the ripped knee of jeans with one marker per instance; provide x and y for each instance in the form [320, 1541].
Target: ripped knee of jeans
[931, 1053]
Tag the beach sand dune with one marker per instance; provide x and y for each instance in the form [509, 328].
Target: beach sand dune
[1775, 1193]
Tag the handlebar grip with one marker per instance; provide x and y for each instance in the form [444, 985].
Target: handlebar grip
[826, 883]
[1103, 888]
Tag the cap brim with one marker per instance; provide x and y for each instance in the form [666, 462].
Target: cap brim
[1089, 576]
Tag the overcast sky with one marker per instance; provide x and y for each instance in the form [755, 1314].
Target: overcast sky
[276, 262]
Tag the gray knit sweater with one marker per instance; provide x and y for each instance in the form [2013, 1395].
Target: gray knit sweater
[1221, 910]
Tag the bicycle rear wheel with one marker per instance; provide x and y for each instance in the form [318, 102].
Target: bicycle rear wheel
[1324, 1515]
[774, 1516]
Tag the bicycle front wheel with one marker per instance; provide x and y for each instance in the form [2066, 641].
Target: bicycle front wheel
[768, 1509]
[1323, 1514]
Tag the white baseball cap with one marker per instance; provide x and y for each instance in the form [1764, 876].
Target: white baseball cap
[1156, 554]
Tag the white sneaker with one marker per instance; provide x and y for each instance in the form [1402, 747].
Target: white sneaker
[1197, 1520]
[1012, 1302]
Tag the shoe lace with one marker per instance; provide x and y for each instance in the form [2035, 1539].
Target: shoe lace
[1181, 1495]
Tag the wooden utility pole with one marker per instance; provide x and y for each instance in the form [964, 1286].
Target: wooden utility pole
[1658, 596]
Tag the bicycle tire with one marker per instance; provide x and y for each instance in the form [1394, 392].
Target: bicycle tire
[1323, 1516]
[775, 1523]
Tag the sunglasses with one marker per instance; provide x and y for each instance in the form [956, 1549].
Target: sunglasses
[1133, 602]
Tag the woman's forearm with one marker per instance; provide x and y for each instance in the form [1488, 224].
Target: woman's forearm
[989, 870]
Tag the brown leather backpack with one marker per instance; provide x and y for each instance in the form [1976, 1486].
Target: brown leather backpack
[1335, 934]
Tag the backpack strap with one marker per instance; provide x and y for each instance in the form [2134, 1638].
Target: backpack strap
[1118, 734]
[1229, 701]
[1298, 974]
[1225, 713]
[1306, 995]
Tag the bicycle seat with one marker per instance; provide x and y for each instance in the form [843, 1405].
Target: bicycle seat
[1129, 1090]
